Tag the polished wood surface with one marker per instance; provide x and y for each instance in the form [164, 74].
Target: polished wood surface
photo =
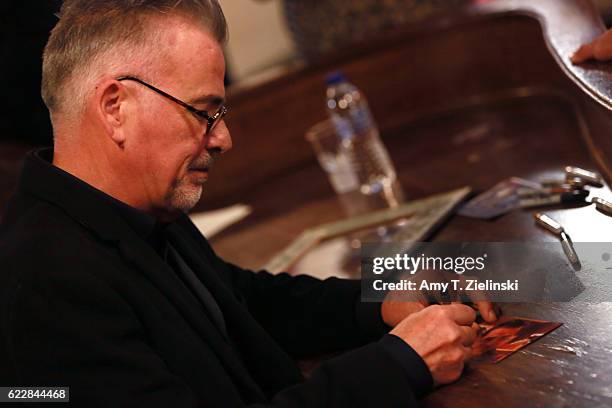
[571, 367]
[476, 145]
[469, 100]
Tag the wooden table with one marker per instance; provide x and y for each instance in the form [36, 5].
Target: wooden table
[476, 145]
[510, 104]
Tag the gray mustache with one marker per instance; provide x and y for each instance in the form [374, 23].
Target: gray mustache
[206, 162]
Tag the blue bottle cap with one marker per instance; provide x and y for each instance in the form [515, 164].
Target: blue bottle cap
[335, 78]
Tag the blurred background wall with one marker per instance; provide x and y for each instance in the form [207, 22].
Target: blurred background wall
[260, 41]
[260, 45]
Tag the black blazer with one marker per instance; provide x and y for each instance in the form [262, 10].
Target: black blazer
[86, 303]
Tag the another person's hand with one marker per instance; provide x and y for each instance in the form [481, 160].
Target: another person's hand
[599, 49]
[442, 336]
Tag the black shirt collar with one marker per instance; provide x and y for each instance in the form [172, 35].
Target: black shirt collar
[145, 225]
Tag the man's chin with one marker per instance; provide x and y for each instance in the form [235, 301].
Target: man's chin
[185, 198]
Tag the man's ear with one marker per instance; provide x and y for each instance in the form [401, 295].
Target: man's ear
[111, 109]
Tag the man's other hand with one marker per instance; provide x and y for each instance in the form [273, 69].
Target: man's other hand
[442, 336]
[599, 49]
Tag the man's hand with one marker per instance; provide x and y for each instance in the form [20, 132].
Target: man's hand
[599, 49]
[400, 304]
[394, 311]
[442, 336]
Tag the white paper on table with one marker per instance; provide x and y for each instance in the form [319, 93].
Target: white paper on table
[211, 222]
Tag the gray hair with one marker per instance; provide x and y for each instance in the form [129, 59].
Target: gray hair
[90, 30]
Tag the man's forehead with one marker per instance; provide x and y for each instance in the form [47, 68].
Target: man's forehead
[190, 57]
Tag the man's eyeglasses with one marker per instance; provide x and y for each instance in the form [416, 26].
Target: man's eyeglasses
[211, 121]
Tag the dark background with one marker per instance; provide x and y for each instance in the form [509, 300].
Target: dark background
[25, 28]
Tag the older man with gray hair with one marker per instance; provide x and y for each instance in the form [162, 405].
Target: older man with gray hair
[109, 289]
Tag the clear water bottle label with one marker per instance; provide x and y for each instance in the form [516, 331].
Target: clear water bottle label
[343, 127]
[342, 174]
[362, 119]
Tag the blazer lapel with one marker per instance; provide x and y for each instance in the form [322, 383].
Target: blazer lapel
[259, 350]
[144, 258]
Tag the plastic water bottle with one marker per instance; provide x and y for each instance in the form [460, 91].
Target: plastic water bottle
[362, 174]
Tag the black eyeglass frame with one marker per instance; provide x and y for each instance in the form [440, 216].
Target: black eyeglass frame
[211, 121]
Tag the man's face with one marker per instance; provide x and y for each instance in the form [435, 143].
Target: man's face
[170, 152]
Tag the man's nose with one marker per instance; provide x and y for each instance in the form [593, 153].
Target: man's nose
[219, 139]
